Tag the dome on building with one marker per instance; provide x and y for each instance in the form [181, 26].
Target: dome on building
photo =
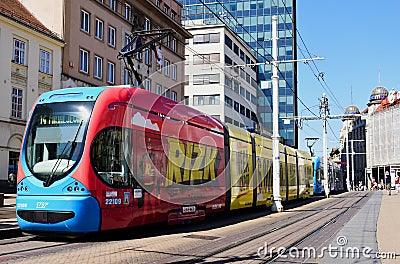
[352, 109]
[378, 93]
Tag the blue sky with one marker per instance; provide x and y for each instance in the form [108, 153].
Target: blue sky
[356, 38]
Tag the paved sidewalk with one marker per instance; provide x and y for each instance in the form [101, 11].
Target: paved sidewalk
[372, 235]
[388, 234]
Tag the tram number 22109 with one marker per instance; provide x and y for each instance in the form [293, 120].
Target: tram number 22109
[113, 201]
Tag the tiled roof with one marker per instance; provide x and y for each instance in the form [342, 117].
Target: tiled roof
[17, 11]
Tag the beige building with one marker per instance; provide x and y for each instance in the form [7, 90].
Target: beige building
[95, 32]
[30, 65]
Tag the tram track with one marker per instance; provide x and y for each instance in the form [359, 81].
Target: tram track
[255, 234]
[287, 230]
[331, 221]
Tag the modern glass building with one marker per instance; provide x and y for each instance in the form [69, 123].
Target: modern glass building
[252, 20]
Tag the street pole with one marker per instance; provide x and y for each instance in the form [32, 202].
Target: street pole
[277, 205]
[324, 108]
[352, 165]
[347, 158]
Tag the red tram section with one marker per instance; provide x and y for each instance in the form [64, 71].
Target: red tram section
[134, 158]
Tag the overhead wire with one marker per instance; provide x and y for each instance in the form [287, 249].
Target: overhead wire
[320, 75]
[258, 43]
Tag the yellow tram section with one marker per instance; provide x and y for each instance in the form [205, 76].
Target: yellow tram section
[291, 173]
[306, 184]
[295, 170]
[263, 170]
[241, 167]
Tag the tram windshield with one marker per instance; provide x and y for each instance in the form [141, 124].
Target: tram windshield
[55, 138]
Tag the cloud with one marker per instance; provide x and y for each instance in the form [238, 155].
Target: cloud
[140, 120]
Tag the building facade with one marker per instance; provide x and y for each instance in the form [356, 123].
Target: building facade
[31, 64]
[353, 149]
[383, 128]
[252, 21]
[96, 30]
[214, 85]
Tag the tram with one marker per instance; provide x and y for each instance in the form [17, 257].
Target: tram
[103, 158]
[335, 176]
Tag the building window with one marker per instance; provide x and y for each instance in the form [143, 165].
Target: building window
[166, 67]
[111, 72]
[166, 9]
[242, 91]
[228, 101]
[158, 89]
[173, 15]
[128, 12]
[206, 99]
[139, 56]
[205, 79]
[236, 106]
[147, 84]
[113, 5]
[147, 57]
[45, 61]
[206, 58]
[228, 60]
[158, 3]
[85, 21]
[198, 99]
[98, 67]
[16, 103]
[174, 96]
[206, 38]
[19, 51]
[111, 36]
[166, 93]
[248, 97]
[127, 77]
[147, 24]
[173, 72]
[168, 41]
[99, 29]
[174, 45]
[128, 40]
[83, 61]
[228, 42]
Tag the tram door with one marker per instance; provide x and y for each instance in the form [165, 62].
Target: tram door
[150, 168]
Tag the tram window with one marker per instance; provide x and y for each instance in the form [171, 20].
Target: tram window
[109, 158]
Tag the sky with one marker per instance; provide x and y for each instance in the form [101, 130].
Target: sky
[359, 41]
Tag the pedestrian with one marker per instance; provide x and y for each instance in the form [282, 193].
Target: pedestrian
[374, 185]
[397, 183]
[388, 182]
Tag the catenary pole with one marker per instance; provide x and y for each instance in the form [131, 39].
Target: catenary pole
[349, 188]
[277, 205]
[324, 108]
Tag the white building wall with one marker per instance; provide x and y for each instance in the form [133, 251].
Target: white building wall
[384, 140]
[191, 90]
[12, 129]
[49, 12]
